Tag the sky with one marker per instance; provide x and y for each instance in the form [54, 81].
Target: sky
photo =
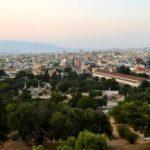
[77, 23]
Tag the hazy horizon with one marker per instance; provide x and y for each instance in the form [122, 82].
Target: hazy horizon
[77, 23]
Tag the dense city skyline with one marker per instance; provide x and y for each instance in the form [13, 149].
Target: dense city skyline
[77, 24]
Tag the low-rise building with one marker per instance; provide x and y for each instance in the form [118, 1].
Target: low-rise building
[121, 78]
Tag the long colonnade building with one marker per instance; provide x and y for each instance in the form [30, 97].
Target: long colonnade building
[121, 78]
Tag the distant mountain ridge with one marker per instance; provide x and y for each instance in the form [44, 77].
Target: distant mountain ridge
[10, 46]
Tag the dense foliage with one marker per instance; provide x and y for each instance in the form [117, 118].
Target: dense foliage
[39, 119]
[137, 114]
[85, 140]
[59, 117]
[3, 121]
[126, 70]
[35, 120]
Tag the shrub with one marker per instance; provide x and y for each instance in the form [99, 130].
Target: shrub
[122, 131]
[131, 137]
[95, 93]
[87, 102]
[127, 134]
[39, 147]
[86, 140]
[66, 147]
[134, 112]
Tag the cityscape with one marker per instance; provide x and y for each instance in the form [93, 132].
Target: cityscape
[74, 75]
[58, 76]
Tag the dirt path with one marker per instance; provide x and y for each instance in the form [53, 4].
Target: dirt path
[114, 126]
[121, 144]
[15, 145]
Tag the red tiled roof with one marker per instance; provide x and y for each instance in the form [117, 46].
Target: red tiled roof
[119, 75]
[140, 69]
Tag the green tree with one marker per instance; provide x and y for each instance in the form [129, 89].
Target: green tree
[2, 73]
[124, 70]
[68, 69]
[95, 93]
[32, 82]
[127, 134]
[30, 119]
[86, 140]
[3, 121]
[4, 87]
[145, 84]
[75, 98]
[57, 97]
[143, 75]
[87, 102]
[106, 84]
[73, 75]
[91, 141]
[134, 113]
[125, 89]
[103, 102]
[24, 74]
[66, 147]
[91, 120]
[69, 144]
[26, 95]
[63, 86]
[39, 147]
[58, 124]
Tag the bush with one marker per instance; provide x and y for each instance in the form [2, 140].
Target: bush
[95, 93]
[39, 147]
[135, 113]
[122, 131]
[132, 137]
[87, 102]
[127, 134]
[66, 147]
[86, 140]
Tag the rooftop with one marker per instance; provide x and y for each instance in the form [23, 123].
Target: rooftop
[119, 75]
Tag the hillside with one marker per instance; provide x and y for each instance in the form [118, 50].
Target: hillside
[27, 47]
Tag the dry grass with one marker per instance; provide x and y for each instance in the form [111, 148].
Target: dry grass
[15, 145]
[19, 145]
[112, 145]
[51, 147]
[123, 145]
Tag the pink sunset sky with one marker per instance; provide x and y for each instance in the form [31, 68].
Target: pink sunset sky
[77, 23]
